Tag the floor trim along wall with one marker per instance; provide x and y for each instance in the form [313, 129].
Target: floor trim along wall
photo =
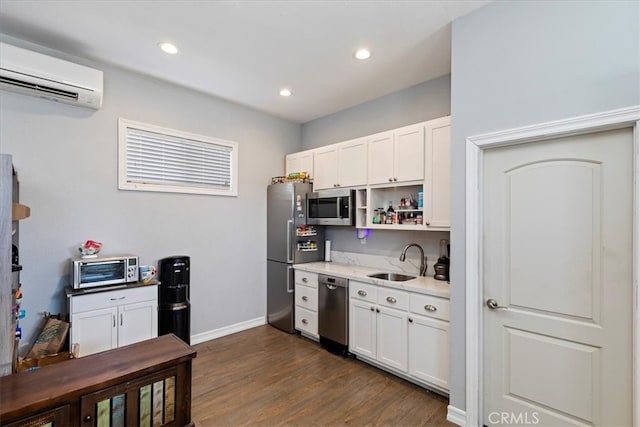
[227, 330]
[456, 416]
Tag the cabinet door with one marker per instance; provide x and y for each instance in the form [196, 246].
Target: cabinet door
[437, 197]
[325, 168]
[392, 338]
[94, 331]
[380, 159]
[300, 162]
[362, 328]
[352, 163]
[409, 154]
[429, 351]
[58, 417]
[137, 322]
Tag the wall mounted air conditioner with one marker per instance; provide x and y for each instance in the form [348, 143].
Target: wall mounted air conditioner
[35, 74]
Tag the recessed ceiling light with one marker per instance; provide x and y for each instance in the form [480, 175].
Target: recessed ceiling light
[285, 92]
[362, 54]
[168, 47]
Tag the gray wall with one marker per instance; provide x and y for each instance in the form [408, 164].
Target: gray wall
[66, 158]
[424, 101]
[521, 63]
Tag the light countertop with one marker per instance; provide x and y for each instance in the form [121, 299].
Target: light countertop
[423, 285]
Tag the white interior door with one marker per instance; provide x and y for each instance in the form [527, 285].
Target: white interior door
[557, 255]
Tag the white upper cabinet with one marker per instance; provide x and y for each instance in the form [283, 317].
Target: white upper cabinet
[397, 156]
[300, 162]
[325, 167]
[341, 165]
[437, 181]
[352, 163]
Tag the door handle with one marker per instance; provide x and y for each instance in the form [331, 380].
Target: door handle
[290, 289]
[493, 305]
[304, 298]
[289, 246]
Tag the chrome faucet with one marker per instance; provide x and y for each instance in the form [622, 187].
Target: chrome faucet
[423, 260]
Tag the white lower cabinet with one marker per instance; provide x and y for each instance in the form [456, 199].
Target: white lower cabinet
[306, 303]
[376, 330]
[404, 332]
[105, 320]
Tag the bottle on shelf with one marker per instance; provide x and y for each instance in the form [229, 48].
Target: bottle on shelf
[390, 214]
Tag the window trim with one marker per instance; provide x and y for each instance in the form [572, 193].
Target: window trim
[123, 184]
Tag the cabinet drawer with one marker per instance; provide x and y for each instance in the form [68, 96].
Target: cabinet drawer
[307, 297]
[431, 306]
[306, 320]
[393, 298]
[363, 291]
[80, 303]
[306, 278]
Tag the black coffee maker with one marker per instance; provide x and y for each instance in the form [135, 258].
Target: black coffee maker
[174, 310]
[442, 266]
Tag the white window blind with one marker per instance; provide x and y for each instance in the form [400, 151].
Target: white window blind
[160, 159]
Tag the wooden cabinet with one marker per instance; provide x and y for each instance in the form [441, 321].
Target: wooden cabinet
[144, 384]
[306, 303]
[396, 156]
[300, 162]
[377, 330]
[404, 332]
[437, 182]
[341, 165]
[104, 320]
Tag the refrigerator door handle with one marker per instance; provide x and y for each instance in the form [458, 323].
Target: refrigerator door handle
[290, 290]
[289, 248]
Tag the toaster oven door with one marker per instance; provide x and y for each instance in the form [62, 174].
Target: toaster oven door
[101, 273]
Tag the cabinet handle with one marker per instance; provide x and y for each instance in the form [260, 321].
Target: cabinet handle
[304, 298]
[410, 320]
[120, 319]
[395, 179]
[87, 419]
[305, 280]
[390, 179]
[116, 299]
[372, 309]
[392, 300]
[362, 293]
[377, 310]
[114, 320]
[427, 223]
[430, 307]
[305, 321]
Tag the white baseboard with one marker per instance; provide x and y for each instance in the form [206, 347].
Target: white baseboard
[456, 416]
[227, 330]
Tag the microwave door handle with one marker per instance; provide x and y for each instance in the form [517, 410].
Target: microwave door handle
[339, 207]
[102, 262]
[289, 253]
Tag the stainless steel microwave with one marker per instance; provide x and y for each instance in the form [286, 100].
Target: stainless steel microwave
[331, 207]
[94, 272]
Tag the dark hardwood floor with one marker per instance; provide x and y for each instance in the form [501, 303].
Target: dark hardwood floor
[266, 377]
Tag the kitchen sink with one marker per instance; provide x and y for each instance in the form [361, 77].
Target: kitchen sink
[393, 277]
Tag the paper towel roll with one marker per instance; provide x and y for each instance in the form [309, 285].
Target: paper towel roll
[327, 250]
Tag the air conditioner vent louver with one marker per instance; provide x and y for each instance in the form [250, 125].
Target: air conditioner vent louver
[35, 74]
[50, 91]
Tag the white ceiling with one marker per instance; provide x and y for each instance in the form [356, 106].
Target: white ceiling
[245, 51]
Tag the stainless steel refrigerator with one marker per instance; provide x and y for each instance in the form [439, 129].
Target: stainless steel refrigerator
[289, 241]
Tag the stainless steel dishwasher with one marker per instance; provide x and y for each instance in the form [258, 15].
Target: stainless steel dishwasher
[333, 313]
